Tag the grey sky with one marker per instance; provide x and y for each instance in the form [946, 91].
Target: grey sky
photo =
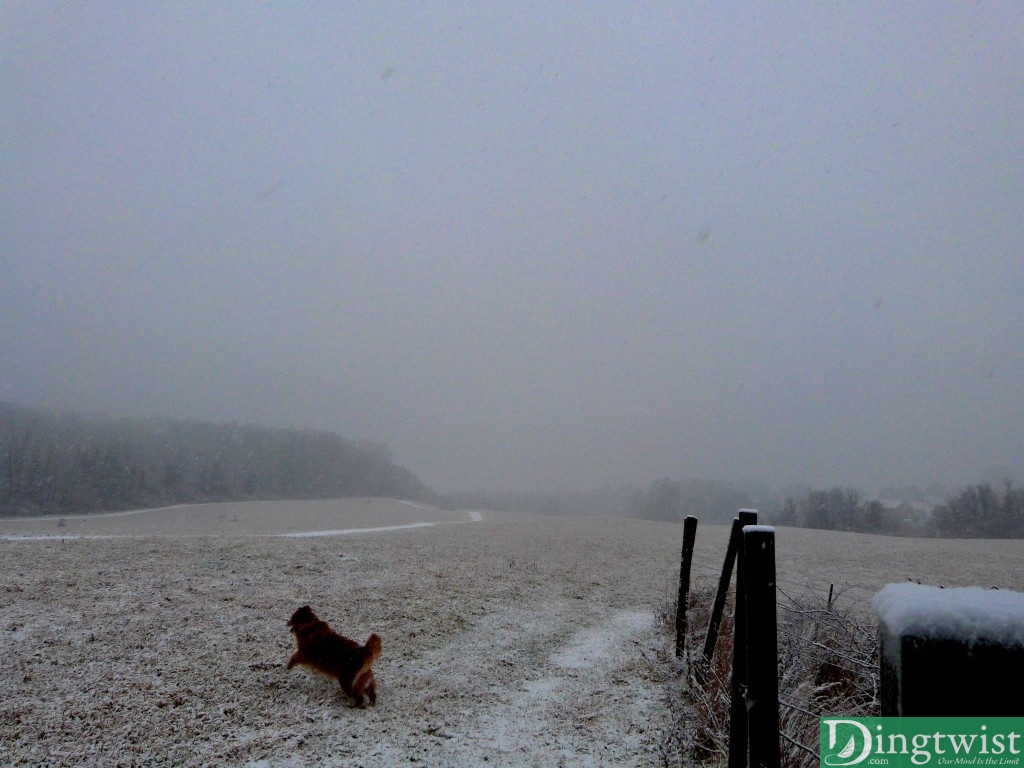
[529, 245]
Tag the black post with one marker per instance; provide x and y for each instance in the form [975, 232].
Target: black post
[762, 694]
[689, 536]
[738, 707]
[723, 590]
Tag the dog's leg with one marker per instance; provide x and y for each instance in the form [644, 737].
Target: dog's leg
[295, 659]
[365, 684]
[371, 688]
[346, 687]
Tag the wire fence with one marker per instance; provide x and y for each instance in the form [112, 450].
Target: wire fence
[827, 662]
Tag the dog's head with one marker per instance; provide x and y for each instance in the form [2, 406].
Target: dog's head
[302, 616]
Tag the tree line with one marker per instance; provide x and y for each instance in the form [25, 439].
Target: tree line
[665, 499]
[62, 463]
[976, 511]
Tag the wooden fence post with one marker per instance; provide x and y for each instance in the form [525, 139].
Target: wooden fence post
[689, 536]
[711, 639]
[738, 705]
[762, 692]
[746, 517]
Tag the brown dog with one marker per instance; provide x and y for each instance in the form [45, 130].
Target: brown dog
[334, 655]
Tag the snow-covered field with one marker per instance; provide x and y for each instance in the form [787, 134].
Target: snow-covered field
[159, 637]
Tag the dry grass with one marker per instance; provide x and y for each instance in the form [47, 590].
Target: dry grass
[828, 664]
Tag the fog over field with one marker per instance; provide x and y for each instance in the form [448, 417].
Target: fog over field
[529, 246]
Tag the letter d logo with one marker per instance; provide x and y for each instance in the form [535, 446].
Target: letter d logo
[845, 755]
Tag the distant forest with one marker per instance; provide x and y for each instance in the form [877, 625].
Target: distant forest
[975, 511]
[712, 501]
[65, 463]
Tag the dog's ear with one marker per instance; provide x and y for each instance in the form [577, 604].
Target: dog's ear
[304, 614]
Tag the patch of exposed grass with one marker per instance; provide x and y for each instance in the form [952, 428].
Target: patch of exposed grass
[828, 665]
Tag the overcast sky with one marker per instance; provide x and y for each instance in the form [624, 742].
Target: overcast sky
[529, 245]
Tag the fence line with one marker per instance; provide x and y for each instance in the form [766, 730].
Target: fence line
[754, 713]
[754, 692]
[826, 657]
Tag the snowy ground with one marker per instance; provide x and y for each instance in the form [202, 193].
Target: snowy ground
[159, 637]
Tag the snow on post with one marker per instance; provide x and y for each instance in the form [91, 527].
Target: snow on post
[950, 652]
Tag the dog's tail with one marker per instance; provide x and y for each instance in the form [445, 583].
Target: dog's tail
[368, 654]
[373, 645]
